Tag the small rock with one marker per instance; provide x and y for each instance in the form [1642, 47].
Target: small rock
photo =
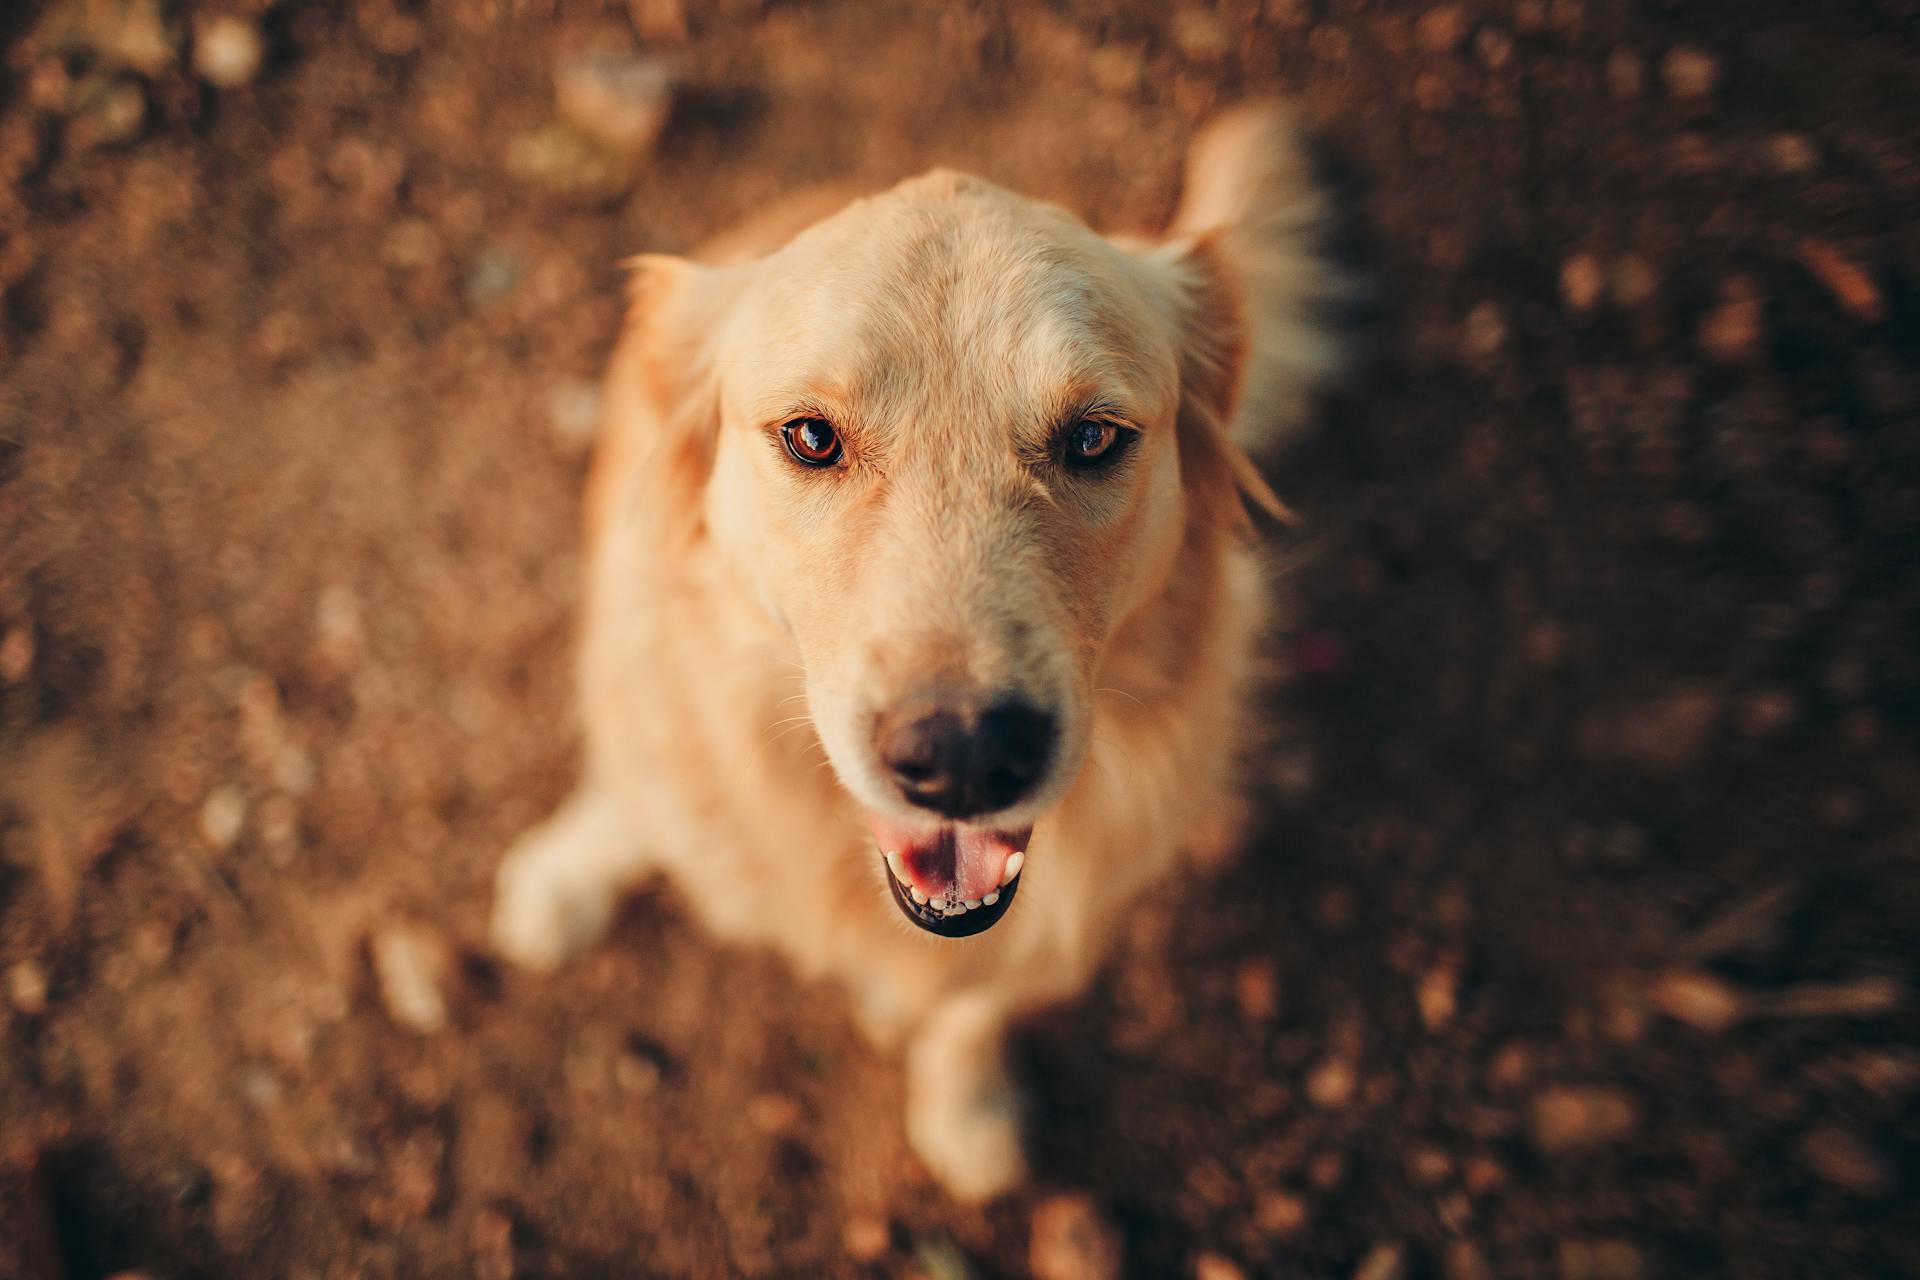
[1429, 1166]
[1690, 72]
[866, 1237]
[108, 113]
[16, 655]
[1851, 287]
[774, 1114]
[412, 964]
[1600, 1260]
[1383, 1262]
[493, 274]
[1438, 995]
[1632, 282]
[659, 21]
[1464, 1261]
[27, 987]
[1571, 1117]
[492, 1245]
[1582, 280]
[570, 163]
[1664, 735]
[573, 413]
[1698, 999]
[1213, 1266]
[1486, 331]
[1847, 1161]
[1116, 68]
[227, 51]
[1732, 328]
[1626, 74]
[1279, 1214]
[1200, 35]
[1332, 1083]
[1254, 990]
[1072, 1240]
[1494, 46]
[1792, 153]
[1440, 29]
[621, 101]
[222, 816]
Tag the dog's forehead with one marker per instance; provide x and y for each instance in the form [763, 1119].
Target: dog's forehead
[948, 289]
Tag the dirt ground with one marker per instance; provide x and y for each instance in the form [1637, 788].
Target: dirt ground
[1577, 934]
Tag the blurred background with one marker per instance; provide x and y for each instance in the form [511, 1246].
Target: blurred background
[1576, 937]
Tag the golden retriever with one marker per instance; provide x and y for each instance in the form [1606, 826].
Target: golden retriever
[922, 600]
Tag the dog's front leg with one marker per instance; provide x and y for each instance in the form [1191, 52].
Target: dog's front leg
[560, 882]
[964, 1112]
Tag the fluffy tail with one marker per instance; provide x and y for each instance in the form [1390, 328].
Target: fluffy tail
[1250, 183]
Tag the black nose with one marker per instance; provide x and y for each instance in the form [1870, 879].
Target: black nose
[961, 763]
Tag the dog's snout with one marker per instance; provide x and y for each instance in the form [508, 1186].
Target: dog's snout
[960, 762]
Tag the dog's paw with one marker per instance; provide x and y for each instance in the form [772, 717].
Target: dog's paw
[544, 911]
[965, 1114]
[973, 1147]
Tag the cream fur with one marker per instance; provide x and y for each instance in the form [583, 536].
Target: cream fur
[745, 619]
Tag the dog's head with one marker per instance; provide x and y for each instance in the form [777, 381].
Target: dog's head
[952, 441]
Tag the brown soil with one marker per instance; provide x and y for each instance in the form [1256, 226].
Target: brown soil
[1575, 936]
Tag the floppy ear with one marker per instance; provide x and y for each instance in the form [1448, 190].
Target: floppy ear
[1211, 314]
[662, 407]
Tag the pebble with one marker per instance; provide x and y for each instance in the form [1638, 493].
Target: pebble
[774, 1114]
[493, 274]
[1486, 331]
[1200, 35]
[110, 112]
[1072, 1240]
[573, 413]
[1386, 1261]
[1698, 999]
[1690, 72]
[1440, 29]
[1626, 74]
[866, 1237]
[1792, 153]
[412, 964]
[1731, 329]
[1214, 1266]
[222, 816]
[569, 163]
[1632, 282]
[1332, 1083]
[1850, 285]
[1279, 1214]
[227, 51]
[1600, 1260]
[27, 987]
[1494, 46]
[1116, 68]
[1438, 995]
[1255, 991]
[1571, 1117]
[492, 1243]
[1582, 280]
[619, 100]
[1464, 1261]
[1661, 735]
[16, 655]
[1847, 1161]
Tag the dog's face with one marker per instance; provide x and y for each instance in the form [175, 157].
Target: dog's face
[950, 439]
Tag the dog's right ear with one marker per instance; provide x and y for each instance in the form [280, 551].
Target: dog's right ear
[662, 412]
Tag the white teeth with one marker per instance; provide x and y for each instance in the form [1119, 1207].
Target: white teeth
[918, 896]
[973, 904]
[990, 899]
[956, 908]
[1017, 861]
[896, 866]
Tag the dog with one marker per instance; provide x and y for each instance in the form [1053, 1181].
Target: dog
[923, 595]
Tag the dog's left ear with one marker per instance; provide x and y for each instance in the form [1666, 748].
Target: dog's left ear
[663, 394]
[1210, 311]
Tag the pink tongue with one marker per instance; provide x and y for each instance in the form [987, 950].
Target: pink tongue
[950, 860]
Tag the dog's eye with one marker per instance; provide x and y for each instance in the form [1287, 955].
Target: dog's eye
[1090, 443]
[812, 441]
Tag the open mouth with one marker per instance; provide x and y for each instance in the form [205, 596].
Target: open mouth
[952, 880]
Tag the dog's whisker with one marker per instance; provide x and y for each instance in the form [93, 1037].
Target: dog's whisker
[1123, 693]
